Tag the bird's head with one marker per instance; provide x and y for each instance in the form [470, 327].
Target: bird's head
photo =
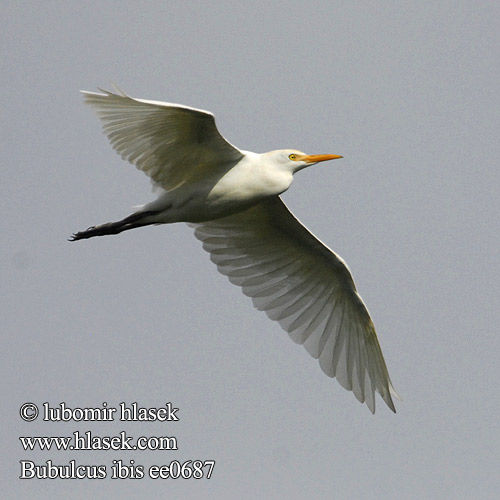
[297, 160]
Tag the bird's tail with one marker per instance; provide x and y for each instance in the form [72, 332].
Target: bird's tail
[130, 222]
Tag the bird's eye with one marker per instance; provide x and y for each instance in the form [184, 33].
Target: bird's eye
[292, 156]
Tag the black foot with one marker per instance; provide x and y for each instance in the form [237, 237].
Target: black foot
[91, 232]
[130, 222]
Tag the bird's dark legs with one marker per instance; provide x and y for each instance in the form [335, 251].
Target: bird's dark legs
[130, 222]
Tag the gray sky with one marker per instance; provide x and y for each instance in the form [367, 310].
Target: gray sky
[407, 92]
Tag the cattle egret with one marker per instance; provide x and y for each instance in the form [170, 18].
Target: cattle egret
[231, 199]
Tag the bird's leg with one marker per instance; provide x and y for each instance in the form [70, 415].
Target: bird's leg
[130, 222]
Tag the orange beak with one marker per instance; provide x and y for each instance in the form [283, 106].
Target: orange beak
[318, 158]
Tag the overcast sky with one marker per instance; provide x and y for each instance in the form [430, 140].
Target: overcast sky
[408, 93]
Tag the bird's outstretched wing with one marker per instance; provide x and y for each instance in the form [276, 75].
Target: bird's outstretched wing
[171, 143]
[303, 285]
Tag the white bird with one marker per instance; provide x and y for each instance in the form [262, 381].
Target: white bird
[231, 198]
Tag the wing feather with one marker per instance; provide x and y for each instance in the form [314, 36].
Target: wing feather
[172, 144]
[307, 288]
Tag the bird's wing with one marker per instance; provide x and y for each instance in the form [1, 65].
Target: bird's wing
[172, 144]
[303, 285]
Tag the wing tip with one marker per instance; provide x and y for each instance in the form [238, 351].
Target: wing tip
[388, 395]
[118, 92]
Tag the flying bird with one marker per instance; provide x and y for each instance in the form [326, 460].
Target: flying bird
[232, 200]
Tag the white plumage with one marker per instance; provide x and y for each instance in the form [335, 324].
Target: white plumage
[231, 198]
